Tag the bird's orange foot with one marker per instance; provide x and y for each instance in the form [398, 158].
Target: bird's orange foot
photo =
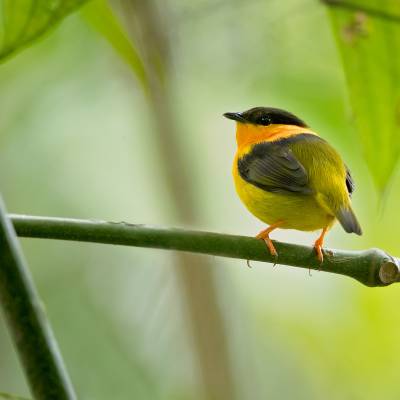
[318, 250]
[264, 235]
[318, 245]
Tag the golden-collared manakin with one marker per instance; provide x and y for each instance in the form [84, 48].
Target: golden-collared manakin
[289, 177]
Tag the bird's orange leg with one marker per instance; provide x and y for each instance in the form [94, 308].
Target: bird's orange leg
[318, 245]
[264, 235]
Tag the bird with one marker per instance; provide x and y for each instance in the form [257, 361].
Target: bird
[289, 177]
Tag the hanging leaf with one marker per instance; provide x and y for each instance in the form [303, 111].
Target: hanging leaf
[102, 18]
[368, 37]
[23, 21]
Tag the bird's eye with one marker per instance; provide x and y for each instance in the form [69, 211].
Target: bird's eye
[265, 120]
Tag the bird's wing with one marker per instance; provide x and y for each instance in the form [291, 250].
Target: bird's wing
[273, 167]
[349, 182]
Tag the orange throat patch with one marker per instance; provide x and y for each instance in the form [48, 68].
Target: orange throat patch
[247, 134]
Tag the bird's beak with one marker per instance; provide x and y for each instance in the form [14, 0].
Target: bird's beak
[235, 116]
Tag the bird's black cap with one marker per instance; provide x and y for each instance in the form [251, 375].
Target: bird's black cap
[265, 116]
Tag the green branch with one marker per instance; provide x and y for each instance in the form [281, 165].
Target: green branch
[26, 318]
[371, 267]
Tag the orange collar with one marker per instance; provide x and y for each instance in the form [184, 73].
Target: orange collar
[247, 134]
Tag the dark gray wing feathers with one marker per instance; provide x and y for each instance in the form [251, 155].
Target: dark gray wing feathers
[273, 167]
[349, 182]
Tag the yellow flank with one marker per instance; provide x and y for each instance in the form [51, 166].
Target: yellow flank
[301, 212]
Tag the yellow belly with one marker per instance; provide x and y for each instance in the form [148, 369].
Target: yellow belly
[301, 212]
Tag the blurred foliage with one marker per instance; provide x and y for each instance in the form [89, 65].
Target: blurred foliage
[69, 107]
[8, 396]
[368, 36]
[23, 21]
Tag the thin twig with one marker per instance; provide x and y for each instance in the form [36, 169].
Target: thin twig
[371, 267]
[30, 330]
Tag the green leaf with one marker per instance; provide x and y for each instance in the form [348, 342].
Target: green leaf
[368, 37]
[23, 21]
[102, 18]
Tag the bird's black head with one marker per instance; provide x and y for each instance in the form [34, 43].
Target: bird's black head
[265, 116]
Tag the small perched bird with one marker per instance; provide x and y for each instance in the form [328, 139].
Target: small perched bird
[289, 177]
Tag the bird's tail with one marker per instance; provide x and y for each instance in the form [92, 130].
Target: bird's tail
[348, 220]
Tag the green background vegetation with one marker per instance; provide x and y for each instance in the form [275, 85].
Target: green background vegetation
[77, 139]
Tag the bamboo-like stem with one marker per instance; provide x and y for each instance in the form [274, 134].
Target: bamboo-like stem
[371, 267]
[30, 329]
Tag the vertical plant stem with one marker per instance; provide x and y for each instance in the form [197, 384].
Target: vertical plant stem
[198, 283]
[29, 327]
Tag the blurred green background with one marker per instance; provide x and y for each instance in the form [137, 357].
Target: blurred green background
[78, 139]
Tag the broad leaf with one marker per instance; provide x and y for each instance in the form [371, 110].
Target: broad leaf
[23, 21]
[368, 37]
